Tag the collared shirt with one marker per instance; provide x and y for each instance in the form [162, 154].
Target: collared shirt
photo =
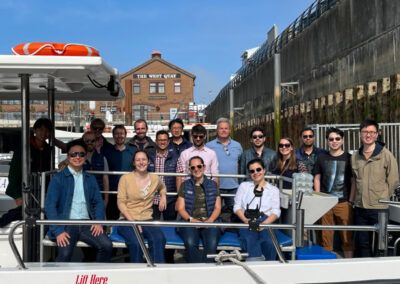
[78, 205]
[229, 155]
[208, 155]
[269, 202]
[159, 168]
[309, 160]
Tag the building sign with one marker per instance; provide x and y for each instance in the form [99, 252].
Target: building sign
[112, 109]
[156, 76]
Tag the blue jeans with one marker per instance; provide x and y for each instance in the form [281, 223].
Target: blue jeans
[191, 238]
[154, 237]
[363, 240]
[228, 201]
[257, 243]
[101, 243]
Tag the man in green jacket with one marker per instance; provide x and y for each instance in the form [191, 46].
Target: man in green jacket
[376, 176]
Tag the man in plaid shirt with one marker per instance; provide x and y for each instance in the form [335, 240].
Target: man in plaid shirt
[164, 160]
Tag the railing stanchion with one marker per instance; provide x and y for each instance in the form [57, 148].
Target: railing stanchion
[143, 246]
[382, 232]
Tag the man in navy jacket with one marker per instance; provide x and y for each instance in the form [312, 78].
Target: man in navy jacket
[74, 194]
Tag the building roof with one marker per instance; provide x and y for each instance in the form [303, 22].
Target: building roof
[156, 58]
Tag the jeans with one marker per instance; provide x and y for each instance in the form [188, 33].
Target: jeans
[257, 243]
[363, 240]
[191, 237]
[168, 214]
[228, 201]
[154, 237]
[101, 243]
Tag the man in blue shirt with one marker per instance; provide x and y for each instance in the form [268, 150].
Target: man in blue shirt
[74, 194]
[119, 158]
[228, 153]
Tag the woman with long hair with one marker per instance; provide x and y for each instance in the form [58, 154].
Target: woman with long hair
[285, 164]
[136, 191]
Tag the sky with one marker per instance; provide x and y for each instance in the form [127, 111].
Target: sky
[204, 37]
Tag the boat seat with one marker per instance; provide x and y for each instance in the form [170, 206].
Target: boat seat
[314, 252]
[228, 240]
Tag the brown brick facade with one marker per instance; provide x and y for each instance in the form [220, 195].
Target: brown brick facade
[154, 88]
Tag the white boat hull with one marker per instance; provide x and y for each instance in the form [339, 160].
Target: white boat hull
[341, 270]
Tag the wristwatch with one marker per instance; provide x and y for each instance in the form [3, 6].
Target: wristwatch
[190, 219]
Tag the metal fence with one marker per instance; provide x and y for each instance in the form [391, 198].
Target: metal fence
[389, 133]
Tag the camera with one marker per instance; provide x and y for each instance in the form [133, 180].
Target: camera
[255, 218]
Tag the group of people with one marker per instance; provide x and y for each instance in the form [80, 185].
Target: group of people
[359, 180]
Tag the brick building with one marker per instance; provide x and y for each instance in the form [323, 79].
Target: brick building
[157, 91]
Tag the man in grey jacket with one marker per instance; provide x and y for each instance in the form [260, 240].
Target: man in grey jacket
[376, 176]
[257, 150]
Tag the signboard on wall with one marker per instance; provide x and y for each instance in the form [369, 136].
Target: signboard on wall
[157, 76]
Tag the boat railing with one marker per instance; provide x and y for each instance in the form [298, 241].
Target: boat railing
[297, 225]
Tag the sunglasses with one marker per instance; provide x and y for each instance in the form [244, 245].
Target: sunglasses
[256, 170]
[89, 141]
[192, 168]
[308, 136]
[226, 150]
[198, 136]
[258, 136]
[331, 139]
[284, 145]
[77, 154]
[98, 128]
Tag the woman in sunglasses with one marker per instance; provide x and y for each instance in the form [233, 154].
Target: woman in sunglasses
[257, 202]
[199, 201]
[136, 192]
[285, 163]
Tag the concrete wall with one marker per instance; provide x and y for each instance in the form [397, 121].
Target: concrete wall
[351, 44]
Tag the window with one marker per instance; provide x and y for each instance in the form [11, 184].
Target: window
[177, 87]
[153, 88]
[141, 111]
[136, 88]
[161, 88]
[157, 88]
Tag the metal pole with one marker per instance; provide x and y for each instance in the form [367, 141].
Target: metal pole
[277, 98]
[231, 111]
[26, 166]
[382, 232]
[77, 117]
[276, 245]
[299, 228]
[50, 102]
[143, 246]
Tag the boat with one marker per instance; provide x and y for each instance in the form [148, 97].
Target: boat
[68, 78]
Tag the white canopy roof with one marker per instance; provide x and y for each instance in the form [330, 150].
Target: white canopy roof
[70, 75]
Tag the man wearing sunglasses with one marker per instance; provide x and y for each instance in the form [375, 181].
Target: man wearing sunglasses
[74, 194]
[199, 135]
[307, 152]
[333, 176]
[257, 150]
[228, 152]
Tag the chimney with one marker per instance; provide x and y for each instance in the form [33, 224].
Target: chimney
[156, 53]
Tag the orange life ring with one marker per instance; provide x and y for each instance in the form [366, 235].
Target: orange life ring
[54, 49]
